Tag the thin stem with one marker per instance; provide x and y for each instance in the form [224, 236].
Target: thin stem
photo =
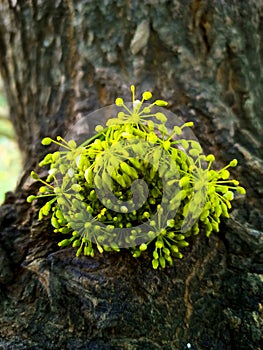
[61, 145]
[45, 183]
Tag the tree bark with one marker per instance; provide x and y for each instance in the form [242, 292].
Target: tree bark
[61, 60]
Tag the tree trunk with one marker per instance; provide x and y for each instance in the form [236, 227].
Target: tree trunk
[59, 61]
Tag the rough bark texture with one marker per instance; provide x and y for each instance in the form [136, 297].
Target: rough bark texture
[63, 59]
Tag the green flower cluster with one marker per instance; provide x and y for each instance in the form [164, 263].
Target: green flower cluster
[135, 183]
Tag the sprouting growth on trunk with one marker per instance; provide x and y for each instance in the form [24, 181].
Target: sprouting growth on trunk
[136, 184]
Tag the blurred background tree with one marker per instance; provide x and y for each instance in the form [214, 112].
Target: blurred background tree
[10, 165]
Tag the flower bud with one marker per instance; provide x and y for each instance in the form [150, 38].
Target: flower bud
[34, 175]
[46, 141]
[155, 263]
[143, 247]
[161, 103]
[64, 243]
[147, 95]
[233, 163]
[30, 198]
[162, 262]
[241, 190]
[119, 102]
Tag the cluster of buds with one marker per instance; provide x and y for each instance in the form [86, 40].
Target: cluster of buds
[135, 184]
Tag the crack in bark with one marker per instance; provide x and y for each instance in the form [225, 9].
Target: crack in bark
[195, 273]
